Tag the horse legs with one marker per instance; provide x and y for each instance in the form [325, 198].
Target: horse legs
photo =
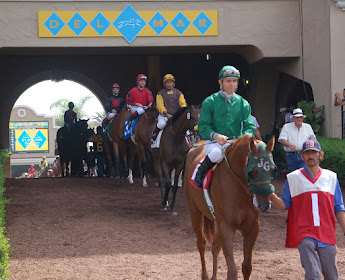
[227, 237]
[132, 152]
[216, 246]
[117, 159]
[198, 226]
[175, 187]
[249, 238]
[122, 147]
[167, 180]
[143, 163]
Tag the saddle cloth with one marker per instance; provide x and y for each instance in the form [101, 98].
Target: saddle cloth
[129, 130]
[207, 179]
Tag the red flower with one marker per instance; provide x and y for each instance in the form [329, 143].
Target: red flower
[314, 110]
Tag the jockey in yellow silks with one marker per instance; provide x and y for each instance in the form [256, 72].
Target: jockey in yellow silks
[168, 101]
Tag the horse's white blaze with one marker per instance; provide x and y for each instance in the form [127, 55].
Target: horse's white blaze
[130, 176]
[145, 182]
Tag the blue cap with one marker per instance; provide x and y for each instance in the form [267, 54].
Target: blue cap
[311, 145]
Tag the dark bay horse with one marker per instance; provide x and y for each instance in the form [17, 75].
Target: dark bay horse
[72, 147]
[233, 206]
[172, 154]
[142, 137]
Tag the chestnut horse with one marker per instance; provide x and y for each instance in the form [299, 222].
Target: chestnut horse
[142, 137]
[172, 154]
[233, 206]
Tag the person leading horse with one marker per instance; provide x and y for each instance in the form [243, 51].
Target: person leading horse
[222, 115]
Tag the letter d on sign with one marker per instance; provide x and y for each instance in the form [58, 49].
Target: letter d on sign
[54, 24]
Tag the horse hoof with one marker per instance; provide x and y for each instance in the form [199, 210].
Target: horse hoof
[174, 213]
[145, 185]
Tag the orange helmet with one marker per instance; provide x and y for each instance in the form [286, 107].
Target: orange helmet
[168, 77]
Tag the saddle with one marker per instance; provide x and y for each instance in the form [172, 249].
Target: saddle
[206, 184]
[129, 127]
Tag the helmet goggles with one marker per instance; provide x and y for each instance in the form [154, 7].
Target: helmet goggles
[229, 71]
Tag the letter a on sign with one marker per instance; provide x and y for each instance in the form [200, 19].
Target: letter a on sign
[180, 23]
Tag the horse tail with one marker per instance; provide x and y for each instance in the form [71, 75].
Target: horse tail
[209, 229]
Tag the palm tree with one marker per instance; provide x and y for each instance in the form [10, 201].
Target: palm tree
[61, 106]
[98, 118]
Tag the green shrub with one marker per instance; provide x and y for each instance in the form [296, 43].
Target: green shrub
[4, 244]
[314, 115]
[334, 149]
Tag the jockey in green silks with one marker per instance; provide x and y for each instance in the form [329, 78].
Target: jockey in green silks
[223, 115]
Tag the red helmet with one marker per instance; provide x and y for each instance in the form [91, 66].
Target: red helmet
[116, 85]
[141, 77]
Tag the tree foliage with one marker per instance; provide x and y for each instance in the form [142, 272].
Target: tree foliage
[61, 105]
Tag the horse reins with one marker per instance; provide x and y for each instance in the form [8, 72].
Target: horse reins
[235, 175]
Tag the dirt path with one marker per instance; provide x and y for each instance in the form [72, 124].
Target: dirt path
[106, 229]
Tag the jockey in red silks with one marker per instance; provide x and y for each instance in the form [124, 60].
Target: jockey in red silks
[32, 171]
[113, 105]
[138, 97]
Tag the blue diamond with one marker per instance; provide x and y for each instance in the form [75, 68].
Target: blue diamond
[77, 23]
[180, 23]
[202, 23]
[54, 24]
[129, 23]
[100, 23]
[39, 139]
[158, 23]
[24, 139]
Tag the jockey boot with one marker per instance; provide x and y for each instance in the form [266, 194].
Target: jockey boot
[155, 134]
[205, 166]
[132, 118]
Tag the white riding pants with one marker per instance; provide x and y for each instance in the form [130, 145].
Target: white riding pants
[215, 151]
[138, 109]
[110, 116]
[162, 121]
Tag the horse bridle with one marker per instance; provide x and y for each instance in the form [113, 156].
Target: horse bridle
[262, 163]
[189, 120]
[246, 187]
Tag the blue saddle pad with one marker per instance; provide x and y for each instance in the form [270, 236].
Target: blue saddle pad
[129, 130]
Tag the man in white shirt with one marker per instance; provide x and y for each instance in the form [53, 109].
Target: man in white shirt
[292, 136]
[257, 131]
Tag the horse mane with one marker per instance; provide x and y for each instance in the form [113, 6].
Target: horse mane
[241, 141]
[175, 117]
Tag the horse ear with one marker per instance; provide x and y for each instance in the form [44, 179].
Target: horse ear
[270, 145]
[253, 148]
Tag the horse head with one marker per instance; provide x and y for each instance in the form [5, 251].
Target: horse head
[255, 163]
[193, 115]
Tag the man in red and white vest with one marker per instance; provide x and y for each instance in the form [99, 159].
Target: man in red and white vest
[317, 199]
